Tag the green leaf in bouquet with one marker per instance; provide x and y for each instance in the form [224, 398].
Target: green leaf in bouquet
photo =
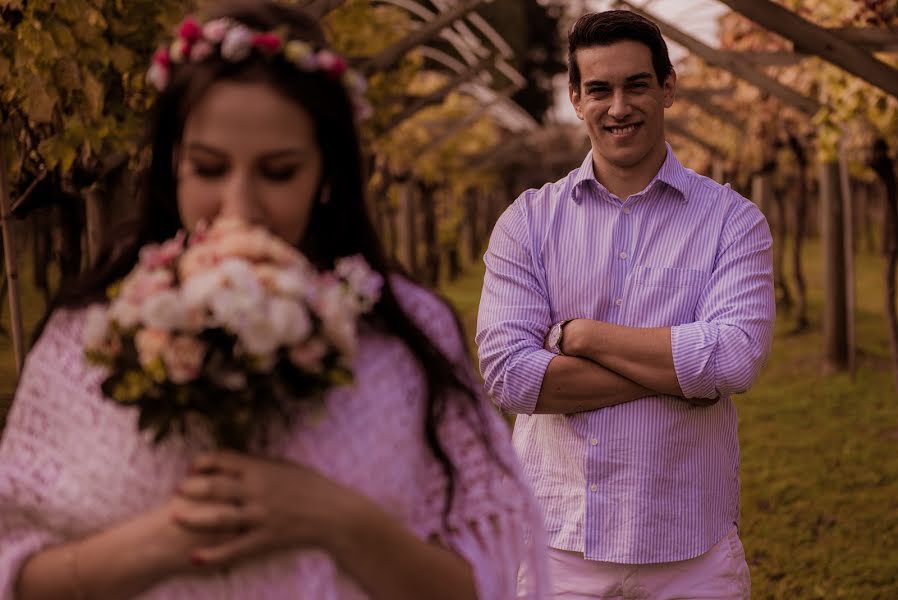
[339, 376]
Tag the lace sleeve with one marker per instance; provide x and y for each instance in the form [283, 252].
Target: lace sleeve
[495, 522]
[27, 467]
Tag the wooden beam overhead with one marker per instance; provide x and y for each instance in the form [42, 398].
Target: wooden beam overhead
[677, 128]
[738, 67]
[715, 110]
[393, 54]
[873, 39]
[781, 58]
[416, 104]
[811, 38]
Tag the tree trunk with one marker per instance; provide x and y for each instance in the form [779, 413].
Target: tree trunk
[801, 222]
[12, 273]
[431, 243]
[835, 335]
[884, 168]
[94, 221]
[848, 250]
[408, 230]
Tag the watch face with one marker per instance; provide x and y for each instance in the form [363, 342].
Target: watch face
[555, 337]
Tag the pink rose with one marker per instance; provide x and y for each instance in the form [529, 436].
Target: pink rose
[150, 343]
[199, 258]
[143, 283]
[308, 356]
[155, 256]
[183, 358]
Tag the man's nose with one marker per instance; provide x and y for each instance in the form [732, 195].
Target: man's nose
[620, 105]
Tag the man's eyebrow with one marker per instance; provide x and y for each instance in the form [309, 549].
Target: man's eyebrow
[629, 79]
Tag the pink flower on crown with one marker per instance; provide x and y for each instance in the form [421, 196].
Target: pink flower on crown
[215, 31]
[161, 58]
[190, 31]
[201, 51]
[158, 76]
[237, 43]
[331, 63]
[267, 42]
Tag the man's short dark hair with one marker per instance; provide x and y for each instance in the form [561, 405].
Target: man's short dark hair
[612, 26]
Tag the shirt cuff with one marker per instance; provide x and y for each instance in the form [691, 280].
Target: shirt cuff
[524, 381]
[693, 346]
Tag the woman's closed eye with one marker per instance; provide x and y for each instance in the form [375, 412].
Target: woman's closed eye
[278, 173]
[208, 170]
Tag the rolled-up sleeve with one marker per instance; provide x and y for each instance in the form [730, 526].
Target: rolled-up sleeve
[514, 317]
[722, 352]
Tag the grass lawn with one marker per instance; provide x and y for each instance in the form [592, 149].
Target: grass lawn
[819, 460]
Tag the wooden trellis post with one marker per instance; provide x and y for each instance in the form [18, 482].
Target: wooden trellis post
[12, 272]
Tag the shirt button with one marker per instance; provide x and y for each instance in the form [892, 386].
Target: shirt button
[626, 210]
[593, 488]
[594, 442]
[623, 255]
[619, 301]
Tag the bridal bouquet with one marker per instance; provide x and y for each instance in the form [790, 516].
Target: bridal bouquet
[226, 328]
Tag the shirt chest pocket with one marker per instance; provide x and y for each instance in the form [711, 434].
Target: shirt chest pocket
[664, 296]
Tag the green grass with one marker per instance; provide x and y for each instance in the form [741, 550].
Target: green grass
[819, 466]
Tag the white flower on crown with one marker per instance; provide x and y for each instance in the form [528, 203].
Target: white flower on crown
[215, 30]
[237, 43]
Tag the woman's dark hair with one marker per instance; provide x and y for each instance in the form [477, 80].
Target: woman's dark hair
[339, 227]
[612, 26]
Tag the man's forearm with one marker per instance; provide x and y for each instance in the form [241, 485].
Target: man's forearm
[641, 354]
[572, 385]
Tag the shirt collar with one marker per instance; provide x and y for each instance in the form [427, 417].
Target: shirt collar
[672, 173]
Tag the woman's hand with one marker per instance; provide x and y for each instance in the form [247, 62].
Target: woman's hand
[262, 505]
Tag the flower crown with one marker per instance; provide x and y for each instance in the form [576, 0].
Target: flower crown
[234, 42]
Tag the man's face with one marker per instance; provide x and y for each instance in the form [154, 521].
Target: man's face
[622, 103]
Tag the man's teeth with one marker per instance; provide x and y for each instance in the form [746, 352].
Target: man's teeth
[625, 129]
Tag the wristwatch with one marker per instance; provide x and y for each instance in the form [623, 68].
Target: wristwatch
[553, 340]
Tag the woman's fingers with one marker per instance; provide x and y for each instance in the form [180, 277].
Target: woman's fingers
[249, 544]
[223, 461]
[207, 516]
[213, 487]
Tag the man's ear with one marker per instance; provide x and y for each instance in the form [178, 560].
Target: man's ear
[670, 88]
[574, 94]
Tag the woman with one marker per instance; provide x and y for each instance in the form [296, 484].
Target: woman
[405, 488]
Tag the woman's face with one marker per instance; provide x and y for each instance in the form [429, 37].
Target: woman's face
[249, 152]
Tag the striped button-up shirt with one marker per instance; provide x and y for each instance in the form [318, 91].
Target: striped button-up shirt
[656, 479]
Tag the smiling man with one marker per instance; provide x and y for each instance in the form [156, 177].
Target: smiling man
[622, 308]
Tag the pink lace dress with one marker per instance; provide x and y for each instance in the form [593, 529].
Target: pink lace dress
[72, 463]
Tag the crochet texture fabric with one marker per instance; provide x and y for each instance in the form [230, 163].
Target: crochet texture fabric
[73, 463]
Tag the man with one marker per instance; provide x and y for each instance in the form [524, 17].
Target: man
[651, 289]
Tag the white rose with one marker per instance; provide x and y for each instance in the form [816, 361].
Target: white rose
[125, 313]
[290, 320]
[164, 310]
